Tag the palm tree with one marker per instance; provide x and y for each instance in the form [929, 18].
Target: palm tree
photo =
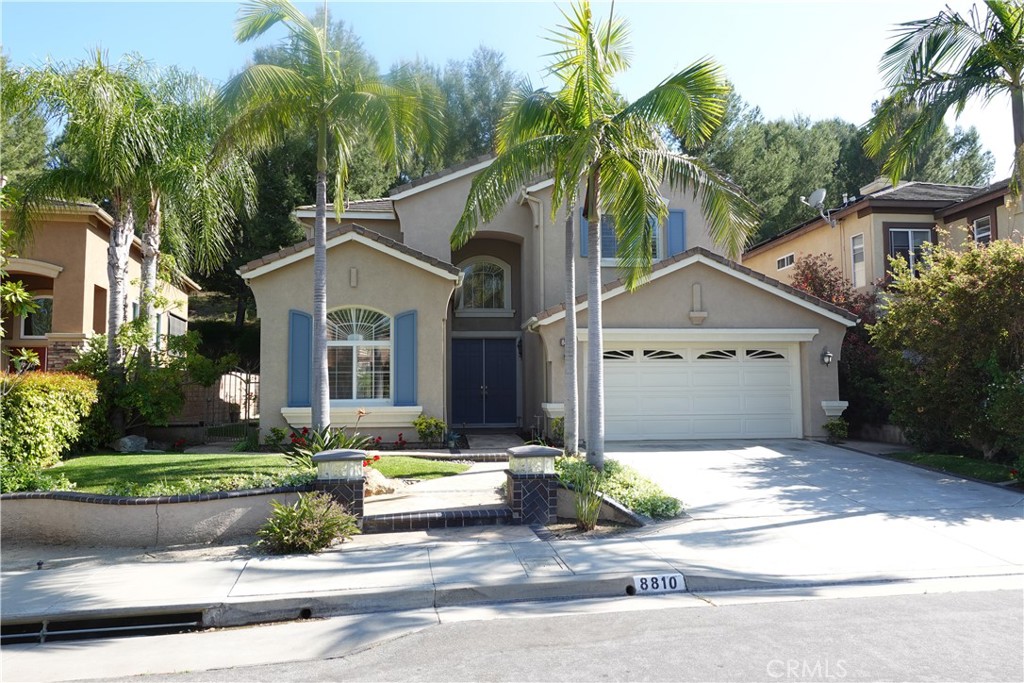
[318, 92]
[940, 63]
[110, 131]
[186, 188]
[586, 136]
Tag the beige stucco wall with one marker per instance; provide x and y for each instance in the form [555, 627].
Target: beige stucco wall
[77, 242]
[731, 304]
[384, 283]
[64, 521]
[390, 228]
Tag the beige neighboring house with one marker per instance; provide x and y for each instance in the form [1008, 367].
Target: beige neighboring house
[475, 336]
[889, 221]
[64, 267]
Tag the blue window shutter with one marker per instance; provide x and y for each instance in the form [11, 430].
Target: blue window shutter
[676, 232]
[159, 321]
[300, 359]
[405, 359]
[583, 235]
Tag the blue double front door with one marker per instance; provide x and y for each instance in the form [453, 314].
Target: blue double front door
[484, 382]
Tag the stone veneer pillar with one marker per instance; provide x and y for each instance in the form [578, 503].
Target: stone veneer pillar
[339, 472]
[60, 352]
[532, 484]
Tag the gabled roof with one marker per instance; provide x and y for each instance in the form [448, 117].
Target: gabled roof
[365, 209]
[443, 176]
[928, 197]
[348, 233]
[722, 264]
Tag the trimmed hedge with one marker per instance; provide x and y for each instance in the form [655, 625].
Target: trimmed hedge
[41, 416]
[627, 486]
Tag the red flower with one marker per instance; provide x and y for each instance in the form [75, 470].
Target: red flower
[376, 458]
[366, 463]
[305, 430]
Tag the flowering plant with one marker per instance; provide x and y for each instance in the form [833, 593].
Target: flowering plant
[369, 461]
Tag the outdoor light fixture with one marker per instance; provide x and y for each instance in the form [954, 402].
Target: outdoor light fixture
[826, 356]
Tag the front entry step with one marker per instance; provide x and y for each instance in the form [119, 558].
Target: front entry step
[437, 519]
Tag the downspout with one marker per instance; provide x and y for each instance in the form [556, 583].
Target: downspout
[446, 351]
[537, 209]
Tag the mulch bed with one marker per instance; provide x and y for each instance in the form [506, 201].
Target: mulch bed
[565, 530]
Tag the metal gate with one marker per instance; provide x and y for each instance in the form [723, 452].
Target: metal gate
[233, 405]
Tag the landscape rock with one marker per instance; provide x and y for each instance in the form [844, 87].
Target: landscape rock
[376, 484]
[130, 444]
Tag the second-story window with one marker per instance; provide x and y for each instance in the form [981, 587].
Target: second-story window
[857, 257]
[486, 288]
[982, 230]
[908, 244]
[39, 323]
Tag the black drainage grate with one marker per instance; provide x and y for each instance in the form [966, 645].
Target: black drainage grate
[106, 627]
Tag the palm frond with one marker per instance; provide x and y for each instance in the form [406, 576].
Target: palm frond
[691, 103]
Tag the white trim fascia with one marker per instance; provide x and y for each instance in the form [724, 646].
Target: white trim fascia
[697, 258]
[350, 237]
[375, 417]
[702, 334]
[354, 215]
[34, 267]
[442, 180]
[69, 336]
[540, 186]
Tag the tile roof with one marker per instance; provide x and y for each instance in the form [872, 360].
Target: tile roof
[440, 174]
[701, 251]
[382, 205]
[341, 230]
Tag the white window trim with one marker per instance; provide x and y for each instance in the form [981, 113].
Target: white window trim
[864, 261]
[390, 344]
[783, 258]
[24, 318]
[506, 310]
[974, 228]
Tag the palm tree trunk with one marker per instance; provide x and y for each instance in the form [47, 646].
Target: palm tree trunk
[321, 407]
[595, 342]
[117, 275]
[1017, 109]
[147, 291]
[571, 424]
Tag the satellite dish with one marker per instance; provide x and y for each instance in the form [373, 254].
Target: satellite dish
[817, 198]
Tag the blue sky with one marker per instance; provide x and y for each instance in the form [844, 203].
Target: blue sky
[815, 59]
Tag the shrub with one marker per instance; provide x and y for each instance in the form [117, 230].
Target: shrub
[41, 416]
[430, 430]
[837, 429]
[952, 346]
[305, 443]
[860, 375]
[188, 486]
[311, 524]
[626, 486]
[16, 477]
[585, 481]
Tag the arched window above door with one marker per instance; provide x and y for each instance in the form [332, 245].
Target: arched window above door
[486, 289]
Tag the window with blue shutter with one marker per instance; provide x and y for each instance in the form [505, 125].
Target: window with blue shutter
[676, 232]
[300, 359]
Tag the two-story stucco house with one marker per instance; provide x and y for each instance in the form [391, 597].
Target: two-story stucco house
[886, 221]
[64, 267]
[706, 349]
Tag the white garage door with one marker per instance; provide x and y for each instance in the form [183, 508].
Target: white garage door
[701, 391]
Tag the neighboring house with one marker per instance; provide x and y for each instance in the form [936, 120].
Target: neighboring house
[706, 349]
[64, 267]
[886, 221]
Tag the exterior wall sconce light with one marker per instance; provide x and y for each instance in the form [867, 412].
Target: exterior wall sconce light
[826, 356]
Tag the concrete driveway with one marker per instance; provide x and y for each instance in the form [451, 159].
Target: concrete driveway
[803, 510]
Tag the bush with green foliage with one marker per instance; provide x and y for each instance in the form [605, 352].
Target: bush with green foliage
[192, 486]
[16, 477]
[837, 429]
[860, 373]
[430, 430]
[314, 522]
[150, 391]
[585, 482]
[951, 339]
[626, 486]
[41, 416]
[305, 443]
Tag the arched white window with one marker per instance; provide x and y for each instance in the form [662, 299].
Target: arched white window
[38, 324]
[486, 288]
[359, 356]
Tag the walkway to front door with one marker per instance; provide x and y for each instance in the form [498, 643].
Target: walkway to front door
[483, 382]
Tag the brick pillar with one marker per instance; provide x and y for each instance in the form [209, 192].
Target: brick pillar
[532, 484]
[340, 473]
[60, 353]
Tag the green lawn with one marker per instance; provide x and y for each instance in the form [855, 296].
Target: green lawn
[958, 464]
[95, 473]
[404, 467]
